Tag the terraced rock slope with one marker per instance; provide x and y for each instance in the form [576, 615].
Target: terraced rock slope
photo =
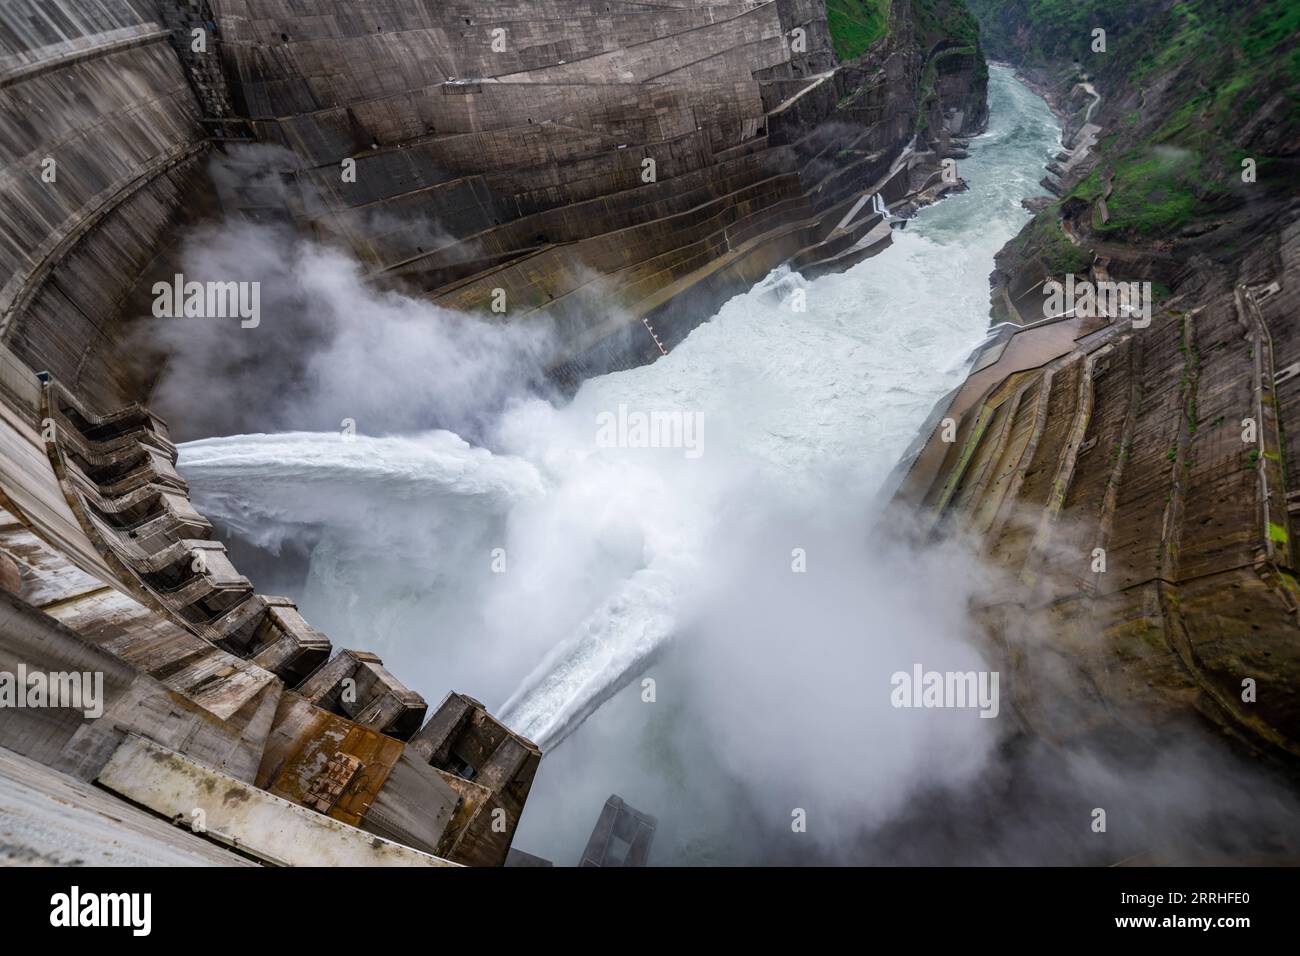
[1136, 478]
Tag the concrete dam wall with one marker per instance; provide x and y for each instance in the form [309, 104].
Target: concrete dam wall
[616, 167]
[102, 151]
[600, 162]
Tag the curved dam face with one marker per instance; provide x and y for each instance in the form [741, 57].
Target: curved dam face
[104, 151]
[393, 392]
[601, 163]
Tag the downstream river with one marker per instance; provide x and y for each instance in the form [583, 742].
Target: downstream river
[706, 630]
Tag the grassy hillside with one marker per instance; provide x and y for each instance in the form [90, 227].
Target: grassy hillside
[947, 20]
[1190, 89]
[1037, 32]
[856, 24]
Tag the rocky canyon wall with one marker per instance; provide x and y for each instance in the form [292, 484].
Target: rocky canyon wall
[1131, 467]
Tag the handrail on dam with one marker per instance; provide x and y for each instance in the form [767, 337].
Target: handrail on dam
[55, 56]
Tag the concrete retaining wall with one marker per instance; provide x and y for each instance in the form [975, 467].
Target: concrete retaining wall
[100, 146]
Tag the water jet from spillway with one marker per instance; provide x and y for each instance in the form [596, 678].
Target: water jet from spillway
[603, 555]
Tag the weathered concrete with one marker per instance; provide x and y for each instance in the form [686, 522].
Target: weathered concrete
[98, 92]
[48, 818]
[204, 690]
[495, 148]
[244, 817]
[621, 837]
[1130, 441]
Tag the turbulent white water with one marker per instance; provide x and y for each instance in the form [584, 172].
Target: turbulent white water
[546, 574]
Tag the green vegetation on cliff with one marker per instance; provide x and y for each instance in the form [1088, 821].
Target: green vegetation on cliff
[1155, 189]
[1186, 163]
[949, 21]
[1039, 32]
[1204, 85]
[856, 24]
[1045, 240]
[1231, 43]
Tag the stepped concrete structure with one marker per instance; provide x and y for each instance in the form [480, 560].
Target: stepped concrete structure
[617, 168]
[1132, 477]
[117, 576]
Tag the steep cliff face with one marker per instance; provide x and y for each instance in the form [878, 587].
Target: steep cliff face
[617, 167]
[1131, 467]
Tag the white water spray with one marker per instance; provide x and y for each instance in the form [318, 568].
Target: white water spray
[607, 552]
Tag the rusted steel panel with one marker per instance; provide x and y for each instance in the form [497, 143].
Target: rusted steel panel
[329, 738]
[327, 788]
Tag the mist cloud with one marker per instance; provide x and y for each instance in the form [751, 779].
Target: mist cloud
[331, 345]
[772, 686]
